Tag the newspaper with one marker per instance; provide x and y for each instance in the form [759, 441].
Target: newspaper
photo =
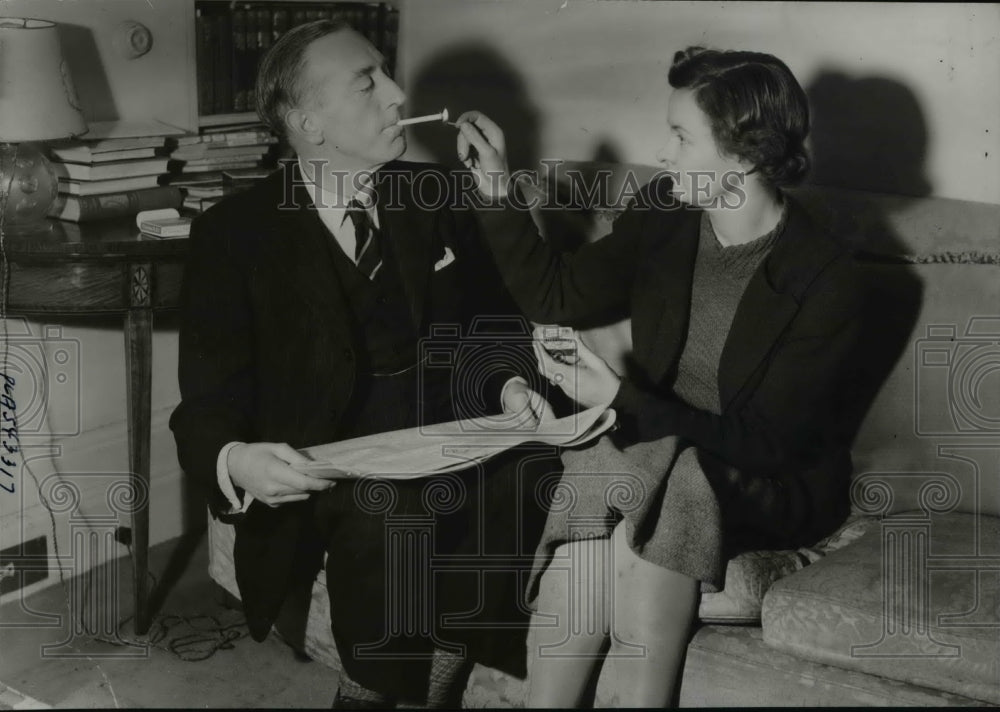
[443, 447]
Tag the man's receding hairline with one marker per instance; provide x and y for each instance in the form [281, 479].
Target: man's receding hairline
[308, 88]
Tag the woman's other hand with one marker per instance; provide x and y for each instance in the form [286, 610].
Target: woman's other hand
[590, 381]
[529, 408]
[483, 150]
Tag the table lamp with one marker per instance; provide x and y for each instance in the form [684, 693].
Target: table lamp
[37, 103]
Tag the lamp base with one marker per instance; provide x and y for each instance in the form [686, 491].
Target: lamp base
[28, 187]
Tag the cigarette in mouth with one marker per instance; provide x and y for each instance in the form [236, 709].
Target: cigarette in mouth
[443, 116]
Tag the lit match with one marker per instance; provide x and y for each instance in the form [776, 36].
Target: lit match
[443, 117]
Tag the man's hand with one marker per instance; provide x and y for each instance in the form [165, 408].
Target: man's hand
[529, 407]
[590, 381]
[482, 149]
[262, 469]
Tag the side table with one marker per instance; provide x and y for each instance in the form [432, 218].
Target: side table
[106, 267]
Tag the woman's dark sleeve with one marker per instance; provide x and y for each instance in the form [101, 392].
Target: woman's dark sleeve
[793, 409]
[561, 288]
[491, 310]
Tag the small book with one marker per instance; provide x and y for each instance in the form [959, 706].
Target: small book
[112, 169]
[214, 150]
[82, 150]
[193, 178]
[238, 126]
[166, 227]
[204, 44]
[212, 191]
[225, 139]
[162, 223]
[178, 141]
[241, 138]
[112, 185]
[238, 24]
[80, 154]
[210, 167]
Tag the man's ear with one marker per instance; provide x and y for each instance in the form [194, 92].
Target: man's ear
[303, 126]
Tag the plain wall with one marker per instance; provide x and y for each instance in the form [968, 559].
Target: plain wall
[906, 96]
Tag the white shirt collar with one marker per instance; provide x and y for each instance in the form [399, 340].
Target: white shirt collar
[332, 199]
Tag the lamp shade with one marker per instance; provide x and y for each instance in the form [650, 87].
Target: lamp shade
[37, 99]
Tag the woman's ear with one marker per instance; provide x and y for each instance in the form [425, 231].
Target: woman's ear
[303, 126]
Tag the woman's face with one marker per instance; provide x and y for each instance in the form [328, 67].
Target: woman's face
[702, 175]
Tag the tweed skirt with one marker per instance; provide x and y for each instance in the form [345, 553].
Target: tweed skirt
[671, 513]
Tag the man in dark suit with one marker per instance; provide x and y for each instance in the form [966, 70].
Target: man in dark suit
[307, 306]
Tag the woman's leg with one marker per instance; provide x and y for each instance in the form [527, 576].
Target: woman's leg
[571, 625]
[654, 608]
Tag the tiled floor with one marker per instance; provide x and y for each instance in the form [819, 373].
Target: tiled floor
[189, 624]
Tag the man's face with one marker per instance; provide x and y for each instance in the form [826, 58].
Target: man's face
[354, 102]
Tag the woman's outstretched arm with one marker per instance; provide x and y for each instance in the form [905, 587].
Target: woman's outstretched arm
[553, 287]
[549, 286]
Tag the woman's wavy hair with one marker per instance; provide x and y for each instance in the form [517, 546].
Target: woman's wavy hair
[757, 110]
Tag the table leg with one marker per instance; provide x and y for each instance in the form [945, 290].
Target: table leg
[138, 364]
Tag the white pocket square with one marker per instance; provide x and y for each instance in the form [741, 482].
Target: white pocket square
[448, 258]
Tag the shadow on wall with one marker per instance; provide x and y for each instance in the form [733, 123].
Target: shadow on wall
[467, 77]
[870, 134]
[89, 75]
[867, 134]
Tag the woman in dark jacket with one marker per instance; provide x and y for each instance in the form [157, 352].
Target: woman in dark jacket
[744, 314]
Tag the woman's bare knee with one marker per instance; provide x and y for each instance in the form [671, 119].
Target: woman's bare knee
[575, 587]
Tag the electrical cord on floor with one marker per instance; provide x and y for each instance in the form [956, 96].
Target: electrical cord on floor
[189, 638]
[209, 635]
[199, 637]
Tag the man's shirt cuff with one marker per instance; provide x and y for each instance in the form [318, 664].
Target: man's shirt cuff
[515, 379]
[226, 482]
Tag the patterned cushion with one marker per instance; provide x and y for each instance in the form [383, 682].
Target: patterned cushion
[936, 625]
[750, 575]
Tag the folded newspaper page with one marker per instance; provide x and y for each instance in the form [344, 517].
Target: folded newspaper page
[443, 447]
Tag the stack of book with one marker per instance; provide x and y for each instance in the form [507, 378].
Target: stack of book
[110, 178]
[232, 37]
[198, 163]
[163, 224]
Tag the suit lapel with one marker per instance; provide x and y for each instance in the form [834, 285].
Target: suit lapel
[410, 230]
[302, 250]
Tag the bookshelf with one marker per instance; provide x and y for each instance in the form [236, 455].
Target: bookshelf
[228, 39]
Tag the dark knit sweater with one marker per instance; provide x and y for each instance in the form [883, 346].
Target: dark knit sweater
[721, 275]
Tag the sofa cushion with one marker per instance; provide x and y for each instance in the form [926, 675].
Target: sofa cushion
[915, 599]
[750, 574]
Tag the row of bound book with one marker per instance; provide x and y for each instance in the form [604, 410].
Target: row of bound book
[232, 38]
[124, 176]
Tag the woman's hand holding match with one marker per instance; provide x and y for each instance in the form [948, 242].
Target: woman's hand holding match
[482, 149]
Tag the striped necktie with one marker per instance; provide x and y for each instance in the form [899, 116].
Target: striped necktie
[368, 238]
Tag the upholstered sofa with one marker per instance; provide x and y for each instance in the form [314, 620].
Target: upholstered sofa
[900, 606]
